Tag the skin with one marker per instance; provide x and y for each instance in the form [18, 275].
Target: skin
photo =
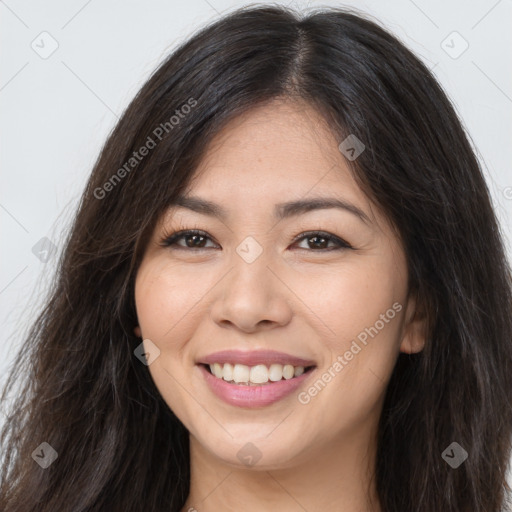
[296, 297]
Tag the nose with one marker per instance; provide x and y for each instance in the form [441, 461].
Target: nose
[251, 297]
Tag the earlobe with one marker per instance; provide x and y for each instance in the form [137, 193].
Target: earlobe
[137, 331]
[414, 331]
[412, 342]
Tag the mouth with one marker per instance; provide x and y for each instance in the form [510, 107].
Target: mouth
[256, 386]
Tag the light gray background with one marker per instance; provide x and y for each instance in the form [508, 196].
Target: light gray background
[58, 110]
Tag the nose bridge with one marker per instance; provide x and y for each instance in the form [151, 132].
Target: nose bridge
[250, 281]
[250, 294]
[250, 263]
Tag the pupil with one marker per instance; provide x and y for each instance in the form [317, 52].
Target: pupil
[195, 239]
[318, 238]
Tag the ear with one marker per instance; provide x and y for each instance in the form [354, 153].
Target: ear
[137, 331]
[414, 330]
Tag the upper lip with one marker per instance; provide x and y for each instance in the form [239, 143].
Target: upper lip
[254, 357]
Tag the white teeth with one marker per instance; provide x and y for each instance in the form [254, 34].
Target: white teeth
[288, 371]
[217, 370]
[299, 370]
[240, 373]
[275, 372]
[227, 372]
[259, 374]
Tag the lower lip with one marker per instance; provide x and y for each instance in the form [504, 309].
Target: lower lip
[252, 396]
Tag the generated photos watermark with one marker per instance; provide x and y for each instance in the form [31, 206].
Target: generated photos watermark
[157, 135]
[343, 360]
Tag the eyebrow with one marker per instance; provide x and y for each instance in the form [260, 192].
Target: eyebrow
[281, 210]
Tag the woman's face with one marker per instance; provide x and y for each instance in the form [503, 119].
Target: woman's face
[253, 283]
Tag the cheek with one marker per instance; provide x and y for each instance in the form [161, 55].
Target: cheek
[353, 298]
[363, 306]
[165, 300]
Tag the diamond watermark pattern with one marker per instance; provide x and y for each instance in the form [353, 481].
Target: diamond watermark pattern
[44, 249]
[249, 454]
[454, 455]
[351, 147]
[147, 352]
[45, 45]
[454, 45]
[249, 249]
[44, 455]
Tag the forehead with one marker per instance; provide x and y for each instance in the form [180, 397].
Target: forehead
[281, 150]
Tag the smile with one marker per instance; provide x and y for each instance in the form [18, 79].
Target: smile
[255, 375]
[251, 395]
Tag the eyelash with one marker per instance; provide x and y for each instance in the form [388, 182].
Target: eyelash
[169, 240]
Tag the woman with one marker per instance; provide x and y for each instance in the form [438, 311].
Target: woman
[284, 289]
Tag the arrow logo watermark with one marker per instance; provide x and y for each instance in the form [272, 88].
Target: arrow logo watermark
[351, 147]
[454, 455]
[44, 249]
[44, 455]
[249, 454]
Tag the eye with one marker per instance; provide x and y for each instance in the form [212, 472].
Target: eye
[320, 240]
[196, 239]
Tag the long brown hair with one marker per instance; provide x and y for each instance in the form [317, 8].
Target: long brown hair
[85, 393]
